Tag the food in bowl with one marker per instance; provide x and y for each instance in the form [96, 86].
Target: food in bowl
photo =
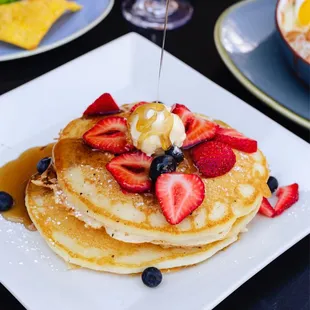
[293, 25]
[294, 22]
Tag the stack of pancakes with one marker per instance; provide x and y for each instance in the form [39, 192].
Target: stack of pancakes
[85, 217]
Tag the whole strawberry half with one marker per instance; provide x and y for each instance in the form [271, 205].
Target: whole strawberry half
[137, 105]
[131, 171]
[179, 195]
[266, 208]
[287, 196]
[213, 158]
[110, 135]
[236, 140]
[197, 129]
[104, 105]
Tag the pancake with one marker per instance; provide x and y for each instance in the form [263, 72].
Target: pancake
[136, 218]
[94, 249]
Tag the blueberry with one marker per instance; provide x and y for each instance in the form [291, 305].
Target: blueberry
[152, 277]
[176, 153]
[6, 201]
[162, 164]
[43, 164]
[272, 183]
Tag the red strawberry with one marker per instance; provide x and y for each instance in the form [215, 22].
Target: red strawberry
[104, 105]
[213, 158]
[109, 134]
[137, 105]
[179, 195]
[131, 171]
[197, 129]
[236, 140]
[266, 208]
[182, 111]
[287, 195]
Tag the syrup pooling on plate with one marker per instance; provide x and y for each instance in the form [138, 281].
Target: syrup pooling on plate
[14, 177]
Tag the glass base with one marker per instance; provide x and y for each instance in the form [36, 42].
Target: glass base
[152, 13]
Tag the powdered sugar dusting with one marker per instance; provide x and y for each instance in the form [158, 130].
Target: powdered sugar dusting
[27, 247]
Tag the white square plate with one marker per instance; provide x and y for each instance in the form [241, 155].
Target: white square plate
[33, 114]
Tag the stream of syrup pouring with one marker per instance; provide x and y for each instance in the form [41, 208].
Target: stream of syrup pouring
[162, 49]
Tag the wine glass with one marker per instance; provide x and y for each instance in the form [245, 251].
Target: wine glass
[152, 13]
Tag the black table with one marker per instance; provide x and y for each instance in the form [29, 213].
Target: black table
[285, 283]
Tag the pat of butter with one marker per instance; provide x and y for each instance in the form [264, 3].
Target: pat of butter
[153, 128]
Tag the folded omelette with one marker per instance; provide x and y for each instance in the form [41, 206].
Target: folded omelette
[25, 23]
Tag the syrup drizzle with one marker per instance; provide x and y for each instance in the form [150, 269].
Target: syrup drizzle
[145, 123]
[14, 177]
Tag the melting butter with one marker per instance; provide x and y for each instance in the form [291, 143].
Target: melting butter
[148, 115]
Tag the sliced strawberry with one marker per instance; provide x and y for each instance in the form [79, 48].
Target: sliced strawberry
[182, 111]
[179, 195]
[110, 134]
[131, 171]
[287, 196]
[213, 158]
[236, 140]
[197, 129]
[137, 105]
[104, 105]
[266, 208]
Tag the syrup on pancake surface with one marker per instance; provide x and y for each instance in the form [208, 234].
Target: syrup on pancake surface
[138, 217]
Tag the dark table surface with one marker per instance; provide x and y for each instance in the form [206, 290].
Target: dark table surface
[285, 283]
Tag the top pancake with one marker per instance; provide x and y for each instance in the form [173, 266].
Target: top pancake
[93, 191]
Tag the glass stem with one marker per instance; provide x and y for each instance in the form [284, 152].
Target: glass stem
[151, 13]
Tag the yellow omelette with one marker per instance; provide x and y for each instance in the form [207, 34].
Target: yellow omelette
[25, 23]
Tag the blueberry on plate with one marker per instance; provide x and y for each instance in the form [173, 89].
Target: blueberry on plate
[6, 201]
[152, 277]
[176, 153]
[43, 164]
[162, 164]
[272, 184]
